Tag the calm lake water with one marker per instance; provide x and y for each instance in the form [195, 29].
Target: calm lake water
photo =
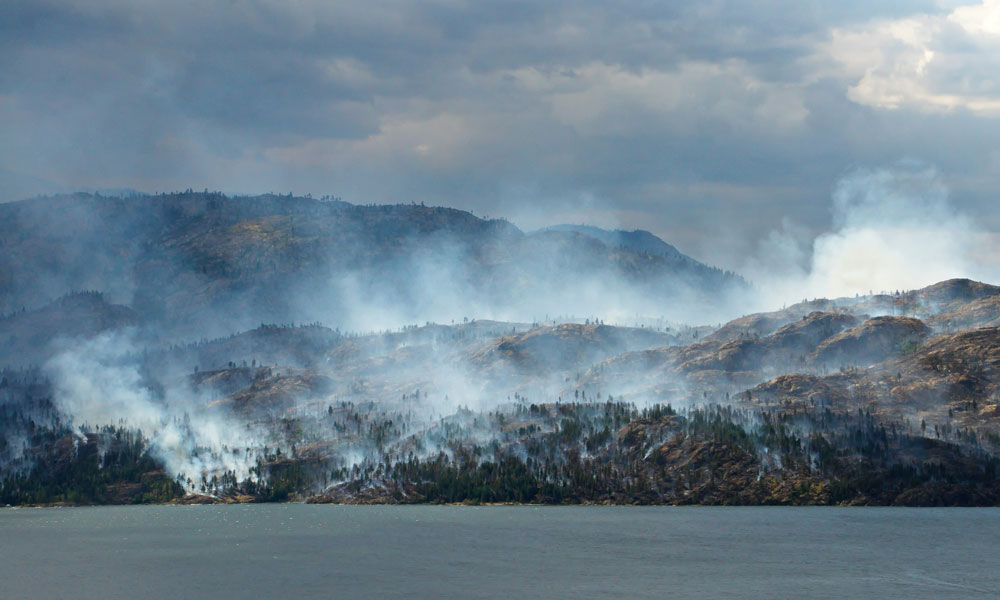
[302, 551]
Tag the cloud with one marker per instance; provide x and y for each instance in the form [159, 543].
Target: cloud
[934, 63]
[608, 100]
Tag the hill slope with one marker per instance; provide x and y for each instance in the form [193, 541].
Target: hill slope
[883, 399]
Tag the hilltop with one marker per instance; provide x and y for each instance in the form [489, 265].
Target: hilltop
[637, 240]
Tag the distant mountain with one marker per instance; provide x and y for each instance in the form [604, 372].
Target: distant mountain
[201, 264]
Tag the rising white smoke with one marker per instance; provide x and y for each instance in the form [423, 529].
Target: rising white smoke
[97, 382]
[893, 228]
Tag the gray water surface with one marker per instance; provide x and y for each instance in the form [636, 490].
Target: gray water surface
[304, 551]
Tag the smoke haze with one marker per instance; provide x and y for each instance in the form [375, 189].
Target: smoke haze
[97, 382]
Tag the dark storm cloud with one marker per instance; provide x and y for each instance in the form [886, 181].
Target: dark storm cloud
[685, 118]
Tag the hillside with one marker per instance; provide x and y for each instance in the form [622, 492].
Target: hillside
[172, 382]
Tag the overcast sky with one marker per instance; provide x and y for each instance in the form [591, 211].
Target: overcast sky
[708, 123]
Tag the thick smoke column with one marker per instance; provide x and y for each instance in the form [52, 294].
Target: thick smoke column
[96, 382]
[893, 228]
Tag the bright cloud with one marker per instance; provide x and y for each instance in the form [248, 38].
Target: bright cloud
[932, 63]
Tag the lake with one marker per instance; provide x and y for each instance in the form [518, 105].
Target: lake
[322, 551]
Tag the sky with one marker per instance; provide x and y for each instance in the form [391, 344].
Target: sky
[720, 126]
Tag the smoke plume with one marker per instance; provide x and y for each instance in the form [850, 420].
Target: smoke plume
[893, 228]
